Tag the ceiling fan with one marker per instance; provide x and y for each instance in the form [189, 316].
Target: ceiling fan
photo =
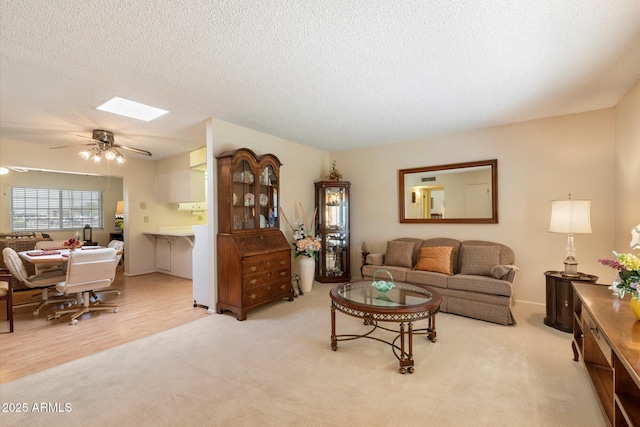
[104, 145]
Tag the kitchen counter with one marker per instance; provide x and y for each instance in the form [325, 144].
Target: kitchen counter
[173, 234]
[173, 255]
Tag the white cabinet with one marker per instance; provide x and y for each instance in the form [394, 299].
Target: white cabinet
[201, 260]
[163, 254]
[180, 187]
[192, 206]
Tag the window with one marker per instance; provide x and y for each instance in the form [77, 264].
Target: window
[53, 209]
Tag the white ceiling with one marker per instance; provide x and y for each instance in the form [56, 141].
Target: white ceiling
[334, 74]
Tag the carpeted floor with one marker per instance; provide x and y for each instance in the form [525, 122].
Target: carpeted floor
[277, 369]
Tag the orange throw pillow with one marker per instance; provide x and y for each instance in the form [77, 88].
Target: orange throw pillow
[438, 259]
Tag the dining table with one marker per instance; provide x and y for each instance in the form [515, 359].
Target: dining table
[51, 256]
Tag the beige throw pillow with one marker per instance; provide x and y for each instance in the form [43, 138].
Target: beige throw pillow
[479, 260]
[436, 258]
[399, 254]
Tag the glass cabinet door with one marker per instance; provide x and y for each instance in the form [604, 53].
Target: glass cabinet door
[333, 228]
[268, 198]
[244, 214]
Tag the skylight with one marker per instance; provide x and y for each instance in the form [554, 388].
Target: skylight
[135, 110]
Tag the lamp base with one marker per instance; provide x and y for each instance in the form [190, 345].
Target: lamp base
[570, 267]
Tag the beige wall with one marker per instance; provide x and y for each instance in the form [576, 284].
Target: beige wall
[111, 189]
[590, 155]
[301, 167]
[627, 167]
[138, 193]
[538, 161]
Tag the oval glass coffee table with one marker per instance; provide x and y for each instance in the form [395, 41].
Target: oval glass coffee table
[404, 304]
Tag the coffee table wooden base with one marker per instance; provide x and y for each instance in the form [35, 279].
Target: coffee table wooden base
[402, 352]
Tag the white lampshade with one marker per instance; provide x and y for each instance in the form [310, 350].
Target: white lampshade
[570, 216]
[120, 208]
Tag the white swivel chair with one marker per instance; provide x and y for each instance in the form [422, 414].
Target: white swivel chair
[44, 245]
[88, 271]
[43, 281]
[118, 245]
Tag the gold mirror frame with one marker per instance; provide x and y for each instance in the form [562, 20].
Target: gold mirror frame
[405, 197]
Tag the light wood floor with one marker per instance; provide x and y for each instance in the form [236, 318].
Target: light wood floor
[148, 304]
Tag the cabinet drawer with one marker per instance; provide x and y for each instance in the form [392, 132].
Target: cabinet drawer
[264, 277]
[590, 326]
[264, 293]
[257, 264]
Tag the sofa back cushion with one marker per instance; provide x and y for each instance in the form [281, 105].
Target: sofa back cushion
[399, 254]
[446, 242]
[479, 257]
[438, 259]
[416, 243]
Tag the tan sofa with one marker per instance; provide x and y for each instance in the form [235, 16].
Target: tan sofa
[475, 279]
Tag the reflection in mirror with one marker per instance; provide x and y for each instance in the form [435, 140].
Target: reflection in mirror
[454, 193]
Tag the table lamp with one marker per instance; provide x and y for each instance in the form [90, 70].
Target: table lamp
[570, 217]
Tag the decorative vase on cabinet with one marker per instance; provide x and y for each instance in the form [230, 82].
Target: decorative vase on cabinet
[254, 257]
[332, 226]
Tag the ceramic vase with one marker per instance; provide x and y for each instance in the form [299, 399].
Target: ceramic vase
[635, 307]
[307, 267]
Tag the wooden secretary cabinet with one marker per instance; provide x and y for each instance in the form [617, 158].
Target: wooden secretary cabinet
[254, 258]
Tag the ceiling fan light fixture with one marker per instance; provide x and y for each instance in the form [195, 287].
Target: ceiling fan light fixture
[110, 155]
[132, 109]
[97, 157]
[120, 159]
[85, 154]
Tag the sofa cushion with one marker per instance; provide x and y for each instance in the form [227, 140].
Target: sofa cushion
[399, 254]
[438, 259]
[399, 274]
[427, 278]
[484, 285]
[445, 241]
[479, 260]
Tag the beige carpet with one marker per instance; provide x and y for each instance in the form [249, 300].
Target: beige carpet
[277, 369]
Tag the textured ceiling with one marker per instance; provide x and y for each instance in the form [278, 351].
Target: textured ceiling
[331, 74]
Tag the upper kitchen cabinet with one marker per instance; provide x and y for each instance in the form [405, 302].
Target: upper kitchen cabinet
[182, 186]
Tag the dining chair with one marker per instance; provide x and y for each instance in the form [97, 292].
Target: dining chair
[88, 271]
[118, 245]
[6, 294]
[44, 281]
[51, 245]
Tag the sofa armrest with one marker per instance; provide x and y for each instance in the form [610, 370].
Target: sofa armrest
[374, 259]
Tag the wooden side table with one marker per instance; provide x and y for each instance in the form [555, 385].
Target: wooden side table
[560, 299]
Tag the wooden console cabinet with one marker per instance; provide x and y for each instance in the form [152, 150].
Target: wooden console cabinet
[607, 335]
[254, 257]
[560, 299]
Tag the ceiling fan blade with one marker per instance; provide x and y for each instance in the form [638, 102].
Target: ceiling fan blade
[135, 150]
[88, 137]
[67, 146]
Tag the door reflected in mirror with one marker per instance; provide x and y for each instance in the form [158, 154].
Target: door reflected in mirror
[454, 193]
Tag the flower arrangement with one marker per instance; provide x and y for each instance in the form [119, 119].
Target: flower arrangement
[72, 244]
[628, 266]
[334, 174]
[306, 244]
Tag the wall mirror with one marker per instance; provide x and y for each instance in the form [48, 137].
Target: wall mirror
[454, 193]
